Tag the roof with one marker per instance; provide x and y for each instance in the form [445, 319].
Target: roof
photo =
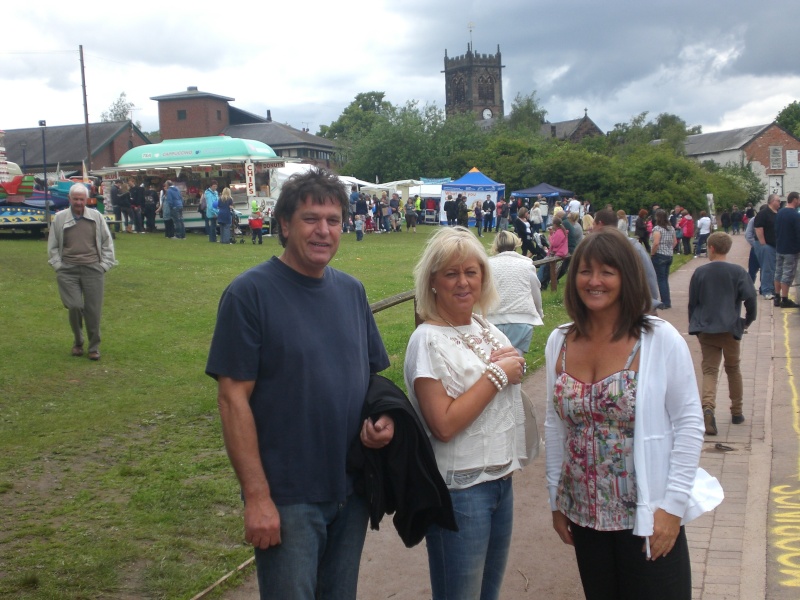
[195, 151]
[65, 144]
[237, 116]
[473, 181]
[564, 129]
[545, 189]
[278, 135]
[191, 93]
[722, 141]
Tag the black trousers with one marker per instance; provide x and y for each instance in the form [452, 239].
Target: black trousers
[613, 567]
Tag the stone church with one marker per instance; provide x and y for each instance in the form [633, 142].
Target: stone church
[474, 84]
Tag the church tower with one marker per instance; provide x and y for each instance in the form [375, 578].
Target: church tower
[474, 83]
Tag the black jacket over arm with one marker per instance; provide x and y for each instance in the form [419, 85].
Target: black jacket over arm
[401, 478]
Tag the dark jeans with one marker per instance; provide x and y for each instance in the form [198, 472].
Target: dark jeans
[661, 264]
[150, 217]
[479, 226]
[169, 228]
[138, 222]
[117, 218]
[487, 222]
[752, 264]
[257, 233]
[687, 245]
[614, 567]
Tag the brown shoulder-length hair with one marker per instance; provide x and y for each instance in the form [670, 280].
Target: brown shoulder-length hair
[610, 247]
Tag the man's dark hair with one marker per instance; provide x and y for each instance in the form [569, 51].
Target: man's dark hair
[792, 196]
[612, 248]
[212, 183]
[318, 185]
[606, 217]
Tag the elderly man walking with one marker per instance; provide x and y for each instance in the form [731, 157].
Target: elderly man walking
[81, 251]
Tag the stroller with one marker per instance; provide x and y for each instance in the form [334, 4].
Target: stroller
[235, 229]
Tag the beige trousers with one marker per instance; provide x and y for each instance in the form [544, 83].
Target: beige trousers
[714, 347]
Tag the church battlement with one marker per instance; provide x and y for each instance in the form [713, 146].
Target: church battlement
[472, 59]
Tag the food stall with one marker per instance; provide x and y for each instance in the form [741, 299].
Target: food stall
[191, 163]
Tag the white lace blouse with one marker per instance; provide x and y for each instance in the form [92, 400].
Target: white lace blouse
[492, 445]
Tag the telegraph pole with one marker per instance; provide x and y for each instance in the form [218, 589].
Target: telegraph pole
[86, 114]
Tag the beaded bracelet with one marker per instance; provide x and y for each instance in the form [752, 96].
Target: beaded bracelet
[499, 373]
[494, 381]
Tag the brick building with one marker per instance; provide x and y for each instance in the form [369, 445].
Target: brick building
[195, 113]
[65, 145]
[769, 149]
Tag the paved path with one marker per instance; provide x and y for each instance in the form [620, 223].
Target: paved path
[747, 549]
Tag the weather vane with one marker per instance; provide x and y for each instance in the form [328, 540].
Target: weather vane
[470, 26]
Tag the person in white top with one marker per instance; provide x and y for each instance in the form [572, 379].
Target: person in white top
[703, 231]
[574, 206]
[462, 377]
[520, 307]
[623, 434]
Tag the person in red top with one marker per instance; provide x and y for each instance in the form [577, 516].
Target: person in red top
[256, 223]
[686, 225]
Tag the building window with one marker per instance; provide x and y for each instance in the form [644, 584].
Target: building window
[181, 115]
[459, 90]
[486, 89]
[219, 115]
[776, 158]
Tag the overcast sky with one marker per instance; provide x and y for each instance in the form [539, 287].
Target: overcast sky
[719, 64]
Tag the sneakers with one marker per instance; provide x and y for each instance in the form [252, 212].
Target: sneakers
[737, 419]
[789, 303]
[710, 422]
[769, 296]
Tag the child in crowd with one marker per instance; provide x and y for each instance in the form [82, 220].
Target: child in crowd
[716, 293]
[359, 225]
[256, 223]
[369, 226]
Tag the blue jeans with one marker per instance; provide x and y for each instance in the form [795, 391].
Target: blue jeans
[319, 554]
[469, 564]
[661, 264]
[177, 220]
[212, 229]
[766, 258]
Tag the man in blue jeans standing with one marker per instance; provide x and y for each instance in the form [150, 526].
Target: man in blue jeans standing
[175, 201]
[287, 420]
[764, 227]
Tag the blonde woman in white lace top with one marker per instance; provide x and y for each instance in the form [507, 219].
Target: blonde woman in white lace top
[463, 377]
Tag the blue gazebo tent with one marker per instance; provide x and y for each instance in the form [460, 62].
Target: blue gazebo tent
[545, 189]
[475, 186]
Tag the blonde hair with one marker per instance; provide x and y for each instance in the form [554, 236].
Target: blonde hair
[445, 247]
[573, 217]
[505, 241]
[226, 194]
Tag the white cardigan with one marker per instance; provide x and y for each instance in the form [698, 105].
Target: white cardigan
[668, 428]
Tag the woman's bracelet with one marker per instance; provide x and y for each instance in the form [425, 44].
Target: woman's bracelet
[499, 374]
[493, 379]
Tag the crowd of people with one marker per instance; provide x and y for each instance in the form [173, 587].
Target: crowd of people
[623, 435]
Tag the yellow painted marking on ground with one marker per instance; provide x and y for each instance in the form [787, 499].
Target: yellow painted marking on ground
[786, 498]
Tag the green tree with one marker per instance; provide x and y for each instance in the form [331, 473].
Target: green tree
[358, 117]
[120, 110]
[789, 118]
[527, 115]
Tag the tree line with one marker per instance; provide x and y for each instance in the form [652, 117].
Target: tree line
[376, 139]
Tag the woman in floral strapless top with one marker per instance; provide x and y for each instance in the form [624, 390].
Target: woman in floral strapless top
[623, 435]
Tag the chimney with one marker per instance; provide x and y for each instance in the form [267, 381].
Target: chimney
[269, 116]
[191, 88]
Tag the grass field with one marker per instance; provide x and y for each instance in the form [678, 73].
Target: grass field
[114, 482]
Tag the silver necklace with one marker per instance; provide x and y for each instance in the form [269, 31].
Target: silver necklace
[472, 344]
